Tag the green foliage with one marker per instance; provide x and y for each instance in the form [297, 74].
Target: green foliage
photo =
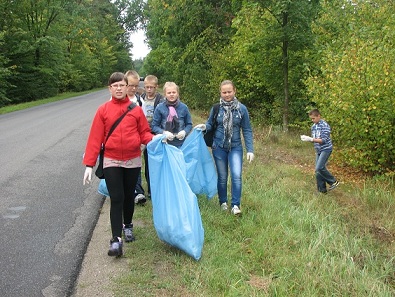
[4, 74]
[355, 86]
[161, 62]
[184, 36]
[196, 82]
[138, 65]
[55, 46]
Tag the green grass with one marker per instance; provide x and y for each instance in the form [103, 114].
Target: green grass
[15, 107]
[288, 242]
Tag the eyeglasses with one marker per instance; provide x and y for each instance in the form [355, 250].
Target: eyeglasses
[118, 86]
[133, 86]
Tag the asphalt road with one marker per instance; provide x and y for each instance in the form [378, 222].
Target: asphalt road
[47, 215]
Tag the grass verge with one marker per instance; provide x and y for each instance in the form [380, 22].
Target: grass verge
[20, 106]
[288, 242]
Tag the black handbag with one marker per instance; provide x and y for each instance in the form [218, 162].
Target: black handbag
[209, 135]
[99, 170]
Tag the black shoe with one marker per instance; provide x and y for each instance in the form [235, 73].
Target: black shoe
[128, 234]
[115, 247]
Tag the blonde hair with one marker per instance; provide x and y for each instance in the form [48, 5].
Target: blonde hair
[170, 84]
[132, 74]
[151, 79]
[227, 82]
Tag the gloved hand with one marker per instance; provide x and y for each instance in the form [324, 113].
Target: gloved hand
[181, 135]
[87, 176]
[169, 135]
[250, 157]
[142, 147]
[306, 138]
[200, 127]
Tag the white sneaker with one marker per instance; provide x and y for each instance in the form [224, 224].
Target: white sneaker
[140, 199]
[224, 206]
[235, 210]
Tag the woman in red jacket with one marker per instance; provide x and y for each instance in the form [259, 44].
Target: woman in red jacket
[122, 156]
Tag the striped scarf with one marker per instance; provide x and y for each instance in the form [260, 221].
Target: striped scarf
[228, 119]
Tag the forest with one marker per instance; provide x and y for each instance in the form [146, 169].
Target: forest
[284, 56]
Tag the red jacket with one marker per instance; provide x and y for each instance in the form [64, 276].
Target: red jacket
[124, 142]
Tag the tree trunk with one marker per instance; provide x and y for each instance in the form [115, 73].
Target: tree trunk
[285, 76]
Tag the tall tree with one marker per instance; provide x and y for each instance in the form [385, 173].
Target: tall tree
[182, 32]
[58, 45]
[288, 30]
[4, 74]
[31, 48]
[354, 85]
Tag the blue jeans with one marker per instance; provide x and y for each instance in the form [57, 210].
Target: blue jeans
[234, 160]
[322, 174]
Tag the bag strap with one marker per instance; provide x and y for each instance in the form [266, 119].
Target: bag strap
[216, 112]
[130, 107]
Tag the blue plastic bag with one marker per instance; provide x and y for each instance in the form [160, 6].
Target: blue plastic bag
[102, 189]
[201, 173]
[175, 209]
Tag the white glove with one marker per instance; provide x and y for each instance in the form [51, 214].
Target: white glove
[87, 176]
[250, 157]
[142, 147]
[200, 127]
[181, 135]
[306, 138]
[169, 135]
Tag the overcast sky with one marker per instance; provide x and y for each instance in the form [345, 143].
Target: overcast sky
[140, 49]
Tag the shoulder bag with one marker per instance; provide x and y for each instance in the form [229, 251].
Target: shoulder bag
[209, 136]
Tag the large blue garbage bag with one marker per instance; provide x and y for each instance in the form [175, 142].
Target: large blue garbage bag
[176, 213]
[102, 189]
[201, 173]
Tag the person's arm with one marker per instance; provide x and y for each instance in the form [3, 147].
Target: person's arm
[156, 121]
[247, 131]
[144, 128]
[188, 121]
[317, 140]
[95, 140]
[209, 123]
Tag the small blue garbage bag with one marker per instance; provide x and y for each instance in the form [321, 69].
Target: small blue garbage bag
[175, 209]
[201, 173]
[102, 189]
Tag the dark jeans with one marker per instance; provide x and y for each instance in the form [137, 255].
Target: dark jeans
[139, 186]
[121, 183]
[322, 174]
[146, 171]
